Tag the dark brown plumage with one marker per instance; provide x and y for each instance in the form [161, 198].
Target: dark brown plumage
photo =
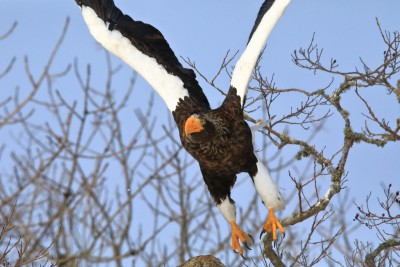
[224, 148]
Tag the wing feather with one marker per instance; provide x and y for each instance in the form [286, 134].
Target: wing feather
[145, 50]
[268, 16]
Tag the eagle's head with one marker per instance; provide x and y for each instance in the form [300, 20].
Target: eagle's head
[198, 127]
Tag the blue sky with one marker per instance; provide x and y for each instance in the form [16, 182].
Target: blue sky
[204, 30]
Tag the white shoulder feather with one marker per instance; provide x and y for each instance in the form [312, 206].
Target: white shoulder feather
[168, 86]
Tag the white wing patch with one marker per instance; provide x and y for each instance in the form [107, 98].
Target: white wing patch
[168, 86]
[265, 186]
[242, 73]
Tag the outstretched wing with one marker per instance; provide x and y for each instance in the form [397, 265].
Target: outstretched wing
[145, 50]
[268, 16]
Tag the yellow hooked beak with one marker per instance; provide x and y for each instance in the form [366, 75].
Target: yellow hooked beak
[193, 125]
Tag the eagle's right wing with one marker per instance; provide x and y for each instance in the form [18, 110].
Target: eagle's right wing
[145, 50]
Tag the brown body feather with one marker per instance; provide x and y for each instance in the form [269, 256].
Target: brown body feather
[225, 150]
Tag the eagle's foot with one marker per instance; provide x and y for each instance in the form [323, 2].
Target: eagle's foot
[237, 234]
[272, 224]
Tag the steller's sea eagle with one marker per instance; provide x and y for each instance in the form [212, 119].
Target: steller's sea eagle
[219, 139]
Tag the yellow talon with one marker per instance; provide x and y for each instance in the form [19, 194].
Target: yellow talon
[272, 224]
[238, 234]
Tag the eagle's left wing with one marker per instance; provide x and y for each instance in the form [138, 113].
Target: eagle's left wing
[268, 16]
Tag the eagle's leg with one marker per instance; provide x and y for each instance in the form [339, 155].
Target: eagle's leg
[220, 189]
[227, 208]
[270, 196]
[272, 224]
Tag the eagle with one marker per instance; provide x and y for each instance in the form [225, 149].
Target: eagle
[219, 139]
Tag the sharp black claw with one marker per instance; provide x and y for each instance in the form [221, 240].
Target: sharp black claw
[245, 244]
[283, 235]
[241, 255]
[262, 232]
[252, 239]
